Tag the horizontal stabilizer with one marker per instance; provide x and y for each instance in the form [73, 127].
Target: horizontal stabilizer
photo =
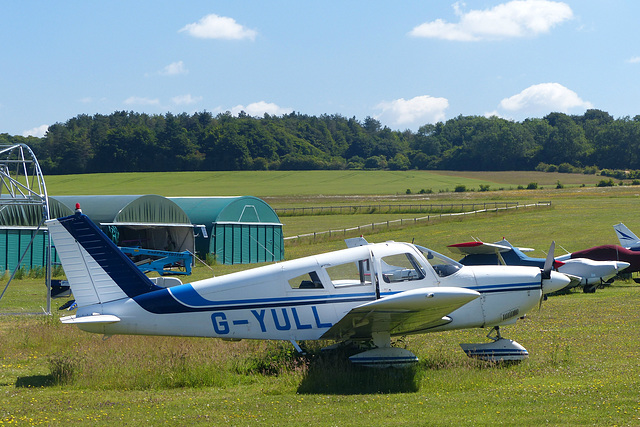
[95, 318]
[356, 241]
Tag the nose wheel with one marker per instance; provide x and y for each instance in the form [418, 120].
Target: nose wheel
[499, 350]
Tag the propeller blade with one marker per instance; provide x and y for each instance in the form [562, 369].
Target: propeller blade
[548, 263]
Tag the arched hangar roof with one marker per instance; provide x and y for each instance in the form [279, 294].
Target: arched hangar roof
[227, 210]
[127, 209]
[16, 214]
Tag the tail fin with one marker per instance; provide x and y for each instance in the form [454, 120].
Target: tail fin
[626, 237]
[97, 271]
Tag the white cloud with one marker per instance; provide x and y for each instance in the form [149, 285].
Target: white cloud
[519, 18]
[634, 60]
[186, 99]
[218, 27]
[37, 131]
[173, 69]
[135, 100]
[414, 111]
[258, 109]
[544, 97]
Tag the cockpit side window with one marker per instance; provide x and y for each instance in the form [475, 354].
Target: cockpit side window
[442, 265]
[350, 274]
[401, 268]
[306, 281]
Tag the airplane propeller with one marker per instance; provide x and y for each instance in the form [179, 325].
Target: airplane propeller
[546, 271]
[553, 281]
[548, 262]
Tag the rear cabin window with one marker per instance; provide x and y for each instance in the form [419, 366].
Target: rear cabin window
[401, 268]
[350, 274]
[306, 281]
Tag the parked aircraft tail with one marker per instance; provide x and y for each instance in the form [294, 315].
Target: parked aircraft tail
[97, 271]
[626, 237]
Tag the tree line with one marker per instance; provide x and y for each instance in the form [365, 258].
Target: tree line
[137, 142]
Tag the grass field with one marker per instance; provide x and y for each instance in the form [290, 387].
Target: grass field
[299, 183]
[583, 369]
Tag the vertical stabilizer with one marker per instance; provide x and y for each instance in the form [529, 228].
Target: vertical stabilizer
[626, 237]
[97, 271]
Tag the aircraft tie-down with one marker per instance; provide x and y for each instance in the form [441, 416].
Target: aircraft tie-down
[362, 295]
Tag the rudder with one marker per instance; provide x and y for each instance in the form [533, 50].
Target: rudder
[97, 271]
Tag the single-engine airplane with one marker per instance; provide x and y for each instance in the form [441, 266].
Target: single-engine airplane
[359, 295]
[609, 253]
[590, 273]
[627, 238]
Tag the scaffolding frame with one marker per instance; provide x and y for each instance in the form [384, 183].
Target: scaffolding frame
[22, 183]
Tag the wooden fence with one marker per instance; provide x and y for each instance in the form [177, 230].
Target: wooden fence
[393, 208]
[406, 221]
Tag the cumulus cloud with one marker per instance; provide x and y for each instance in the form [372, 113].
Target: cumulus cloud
[218, 27]
[37, 131]
[135, 100]
[519, 18]
[258, 109]
[544, 97]
[415, 111]
[174, 69]
[186, 99]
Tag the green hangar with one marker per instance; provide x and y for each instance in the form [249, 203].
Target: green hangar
[236, 230]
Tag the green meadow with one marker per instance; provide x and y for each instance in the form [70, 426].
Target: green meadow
[299, 183]
[583, 368]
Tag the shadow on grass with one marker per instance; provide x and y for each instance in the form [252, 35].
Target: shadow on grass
[332, 373]
[34, 381]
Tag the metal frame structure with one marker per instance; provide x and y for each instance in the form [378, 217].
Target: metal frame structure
[22, 183]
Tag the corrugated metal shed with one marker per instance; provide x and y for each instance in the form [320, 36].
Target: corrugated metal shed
[239, 230]
[149, 221]
[18, 227]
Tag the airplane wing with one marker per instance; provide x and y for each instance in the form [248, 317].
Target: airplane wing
[403, 313]
[478, 248]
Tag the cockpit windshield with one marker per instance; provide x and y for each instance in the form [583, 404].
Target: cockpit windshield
[443, 266]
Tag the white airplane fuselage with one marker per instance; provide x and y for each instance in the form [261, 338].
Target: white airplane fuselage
[276, 302]
[590, 271]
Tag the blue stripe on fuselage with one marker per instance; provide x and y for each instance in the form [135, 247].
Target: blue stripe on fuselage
[531, 286]
[185, 299]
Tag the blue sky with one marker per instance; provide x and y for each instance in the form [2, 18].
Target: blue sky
[406, 63]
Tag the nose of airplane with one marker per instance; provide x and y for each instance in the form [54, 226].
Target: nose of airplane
[554, 283]
[621, 265]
